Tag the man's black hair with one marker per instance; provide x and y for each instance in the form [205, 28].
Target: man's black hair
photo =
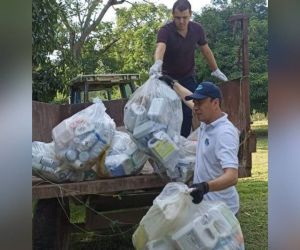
[182, 5]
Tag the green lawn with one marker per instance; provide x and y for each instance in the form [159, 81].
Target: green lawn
[253, 211]
[254, 194]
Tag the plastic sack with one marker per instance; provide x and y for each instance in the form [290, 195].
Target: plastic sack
[122, 158]
[81, 138]
[184, 161]
[47, 166]
[153, 116]
[174, 222]
[187, 160]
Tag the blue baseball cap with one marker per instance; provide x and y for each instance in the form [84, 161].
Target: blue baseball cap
[204, 90]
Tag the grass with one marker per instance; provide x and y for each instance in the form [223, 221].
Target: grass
[254, 193]
[253, 215]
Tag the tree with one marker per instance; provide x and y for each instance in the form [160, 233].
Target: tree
[89, 15]
[64, 27]
[137, 28]
[44, 23]
[226, 45]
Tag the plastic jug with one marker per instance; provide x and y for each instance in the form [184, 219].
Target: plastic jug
[162, 146]
[160, 244]
[157, 110]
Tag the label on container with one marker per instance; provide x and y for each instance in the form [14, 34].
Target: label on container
[164, 149]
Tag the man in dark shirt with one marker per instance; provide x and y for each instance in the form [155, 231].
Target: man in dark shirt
[175, 54]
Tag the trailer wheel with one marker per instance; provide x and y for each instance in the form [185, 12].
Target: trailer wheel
[50, 225]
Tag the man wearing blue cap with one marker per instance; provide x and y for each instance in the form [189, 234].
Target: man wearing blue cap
[216, 170]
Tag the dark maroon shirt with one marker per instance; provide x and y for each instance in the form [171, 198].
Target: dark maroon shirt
[179, 58]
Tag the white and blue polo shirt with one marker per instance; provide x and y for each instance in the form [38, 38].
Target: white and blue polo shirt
[218, 145]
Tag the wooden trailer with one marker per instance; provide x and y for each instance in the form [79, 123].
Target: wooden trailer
[51, 224]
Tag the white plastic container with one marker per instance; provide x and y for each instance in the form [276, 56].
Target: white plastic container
[186, 226]
[168, 210]
[61, 134]
[87, 142]
[143, 129]
[134, 115]
[185, 168]
[71, 155]
[84, 156]
[157, 110]
[196, 235]
[160, 244]
[83, 127]
[119, 165]
[139, 158]
[162, 146]
[140, 113]
[97, 149]
[48, 162]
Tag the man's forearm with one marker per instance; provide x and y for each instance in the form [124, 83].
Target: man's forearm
[159, 51]
[183, 92]
[209, 56]
[228, 179]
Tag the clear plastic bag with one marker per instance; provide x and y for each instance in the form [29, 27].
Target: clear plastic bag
[122, 158]
[153, 116]
[81, 138]
[47, 166]
[187, 159]
[154, 101]
[184, 160]
[174, 222]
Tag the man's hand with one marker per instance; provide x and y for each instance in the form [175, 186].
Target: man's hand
[218, 73]
[200, 189]
[168, 80]
[156, 68]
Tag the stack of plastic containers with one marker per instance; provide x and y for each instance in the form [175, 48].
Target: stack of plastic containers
[46, 165]
[122, 158]
[153, 116]
[81, 138]
[77, 143]
[174, 222]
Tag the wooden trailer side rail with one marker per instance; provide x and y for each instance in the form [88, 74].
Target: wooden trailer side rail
[43, 190]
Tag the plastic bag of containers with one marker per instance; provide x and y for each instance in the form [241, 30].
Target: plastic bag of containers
[47, 166]
[122, 158]
[174, 222]
[153, 116]
[184, 169]
[81, 138]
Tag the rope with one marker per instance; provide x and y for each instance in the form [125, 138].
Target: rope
[113, 223]
[87, 232]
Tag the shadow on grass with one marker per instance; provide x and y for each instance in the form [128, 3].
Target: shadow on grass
[95, 242]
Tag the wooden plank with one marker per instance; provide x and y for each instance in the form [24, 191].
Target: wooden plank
[51, 225]
[108, 220]
[44, 117]
[129, 199]
[103, 186]
[252, 142]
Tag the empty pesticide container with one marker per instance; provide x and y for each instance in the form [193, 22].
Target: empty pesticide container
[162, 146]
[157, 110]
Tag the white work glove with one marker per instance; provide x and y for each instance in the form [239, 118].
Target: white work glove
[218, 73]
[156, 68]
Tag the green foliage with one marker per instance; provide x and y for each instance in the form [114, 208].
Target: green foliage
[45, 76]
[226, 45]
[137, 28]
[128, 45]
[60, 98]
